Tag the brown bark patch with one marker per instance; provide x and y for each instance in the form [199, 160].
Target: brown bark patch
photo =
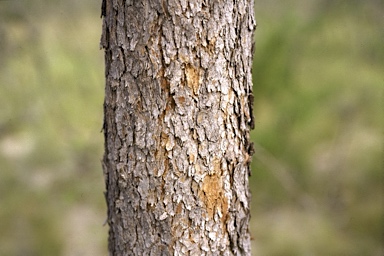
[213, 196]
[193, 77]
[179, 208]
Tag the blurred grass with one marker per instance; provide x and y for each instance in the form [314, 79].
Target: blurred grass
[317, 177]
[51, 93]
[318, 169]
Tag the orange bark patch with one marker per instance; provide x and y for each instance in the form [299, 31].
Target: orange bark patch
[193, 77]
[213, 195]
[179, 208]
[181, 100]
[163, 81]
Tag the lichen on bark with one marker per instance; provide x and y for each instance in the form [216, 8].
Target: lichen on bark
[177, 116]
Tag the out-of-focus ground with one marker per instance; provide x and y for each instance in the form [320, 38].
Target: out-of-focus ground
[318, 175]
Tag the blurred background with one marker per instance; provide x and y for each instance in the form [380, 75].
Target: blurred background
[318, 170]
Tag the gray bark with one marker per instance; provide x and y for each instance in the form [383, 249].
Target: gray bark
[177, 116]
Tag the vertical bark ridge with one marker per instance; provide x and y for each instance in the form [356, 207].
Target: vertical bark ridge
[177, 119]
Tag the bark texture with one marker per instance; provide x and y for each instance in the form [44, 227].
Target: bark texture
[177, 116]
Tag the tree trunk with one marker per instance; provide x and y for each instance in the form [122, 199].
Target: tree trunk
[177, 116]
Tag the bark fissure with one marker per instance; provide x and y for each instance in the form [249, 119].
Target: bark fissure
[177, 118]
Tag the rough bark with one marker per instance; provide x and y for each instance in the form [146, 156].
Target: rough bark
[177, 115]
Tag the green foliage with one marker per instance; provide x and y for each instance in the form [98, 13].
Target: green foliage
[317, 173]
[317, 177]
[51, 94]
